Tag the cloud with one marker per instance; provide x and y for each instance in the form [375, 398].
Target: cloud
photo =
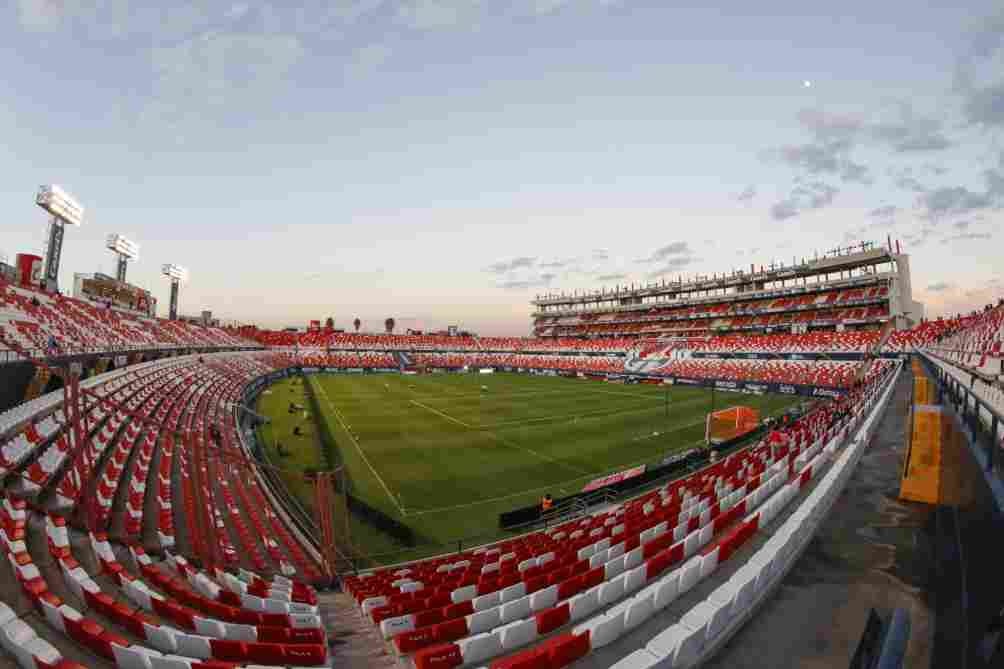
[813, 158]
[49, 15]
[675, 249]
[804, 197]
[611, 277]
[940, 287]
[885, 211]
[601, 254]
[833, 138]
[830, 128]
[951, 201]
[985, 106]
[995, 183]
[506, 266]
[539, 281]
[561, 263]
[961, 225]
[910, 184]
[425, 15]
[978, 78]
[351, 11]
[747, 195]
[783, 210]
[237, 10]
[909, 133]
[368, 58]
[671, 266]
[967, 236]
[851, 172]
[545, 7]
[220, 69]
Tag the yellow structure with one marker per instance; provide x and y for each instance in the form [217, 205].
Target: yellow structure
[922, 469]
[931, 471]
[923, 390]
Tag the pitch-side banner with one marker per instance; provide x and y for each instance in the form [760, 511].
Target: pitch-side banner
[611, 479]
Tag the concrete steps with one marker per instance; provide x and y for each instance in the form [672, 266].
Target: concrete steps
[354, 643]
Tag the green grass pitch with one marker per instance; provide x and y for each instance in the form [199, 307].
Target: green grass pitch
[446, 453]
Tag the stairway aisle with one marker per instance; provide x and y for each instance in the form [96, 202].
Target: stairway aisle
[354, 643]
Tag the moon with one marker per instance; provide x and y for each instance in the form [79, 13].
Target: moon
[807, 84]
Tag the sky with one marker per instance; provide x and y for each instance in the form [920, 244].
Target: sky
[444, 161]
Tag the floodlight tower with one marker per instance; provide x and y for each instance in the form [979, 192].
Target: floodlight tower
[126, 250]
[65, 211]
[177, 274]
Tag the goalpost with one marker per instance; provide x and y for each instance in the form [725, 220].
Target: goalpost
[727, 424]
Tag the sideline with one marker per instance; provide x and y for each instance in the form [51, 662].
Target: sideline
[359, 450]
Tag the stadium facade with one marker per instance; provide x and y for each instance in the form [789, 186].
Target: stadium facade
[851, 288]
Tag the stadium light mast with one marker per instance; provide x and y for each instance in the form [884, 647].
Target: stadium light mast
[177, 274]
[125, 250]
[65, 210]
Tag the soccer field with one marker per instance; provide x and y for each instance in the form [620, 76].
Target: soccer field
[446, 453]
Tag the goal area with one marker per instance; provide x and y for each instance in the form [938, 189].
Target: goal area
[727, 424]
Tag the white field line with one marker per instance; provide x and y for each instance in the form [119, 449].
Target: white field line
[444, 415]
[534, 490]
[511, 444]
[642, 397]
[599, 413]
[500, 439]
[359, 450]
[494, 396]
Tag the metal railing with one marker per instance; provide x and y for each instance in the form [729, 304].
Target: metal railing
[984, 421]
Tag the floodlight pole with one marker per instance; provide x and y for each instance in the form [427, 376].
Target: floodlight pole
[173, 308]
[120, 269]
[53, 252]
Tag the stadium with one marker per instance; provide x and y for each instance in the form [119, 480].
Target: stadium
[179, 494]
[537, 334]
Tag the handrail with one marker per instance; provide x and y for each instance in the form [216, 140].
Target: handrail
[971, 408]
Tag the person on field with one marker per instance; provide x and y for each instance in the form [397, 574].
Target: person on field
[546, 503]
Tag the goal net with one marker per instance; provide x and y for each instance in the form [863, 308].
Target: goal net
[730, 423]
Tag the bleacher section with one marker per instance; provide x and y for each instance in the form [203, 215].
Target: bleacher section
[31, 321]
[124, 595]
[974, 356]
[810, 307]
